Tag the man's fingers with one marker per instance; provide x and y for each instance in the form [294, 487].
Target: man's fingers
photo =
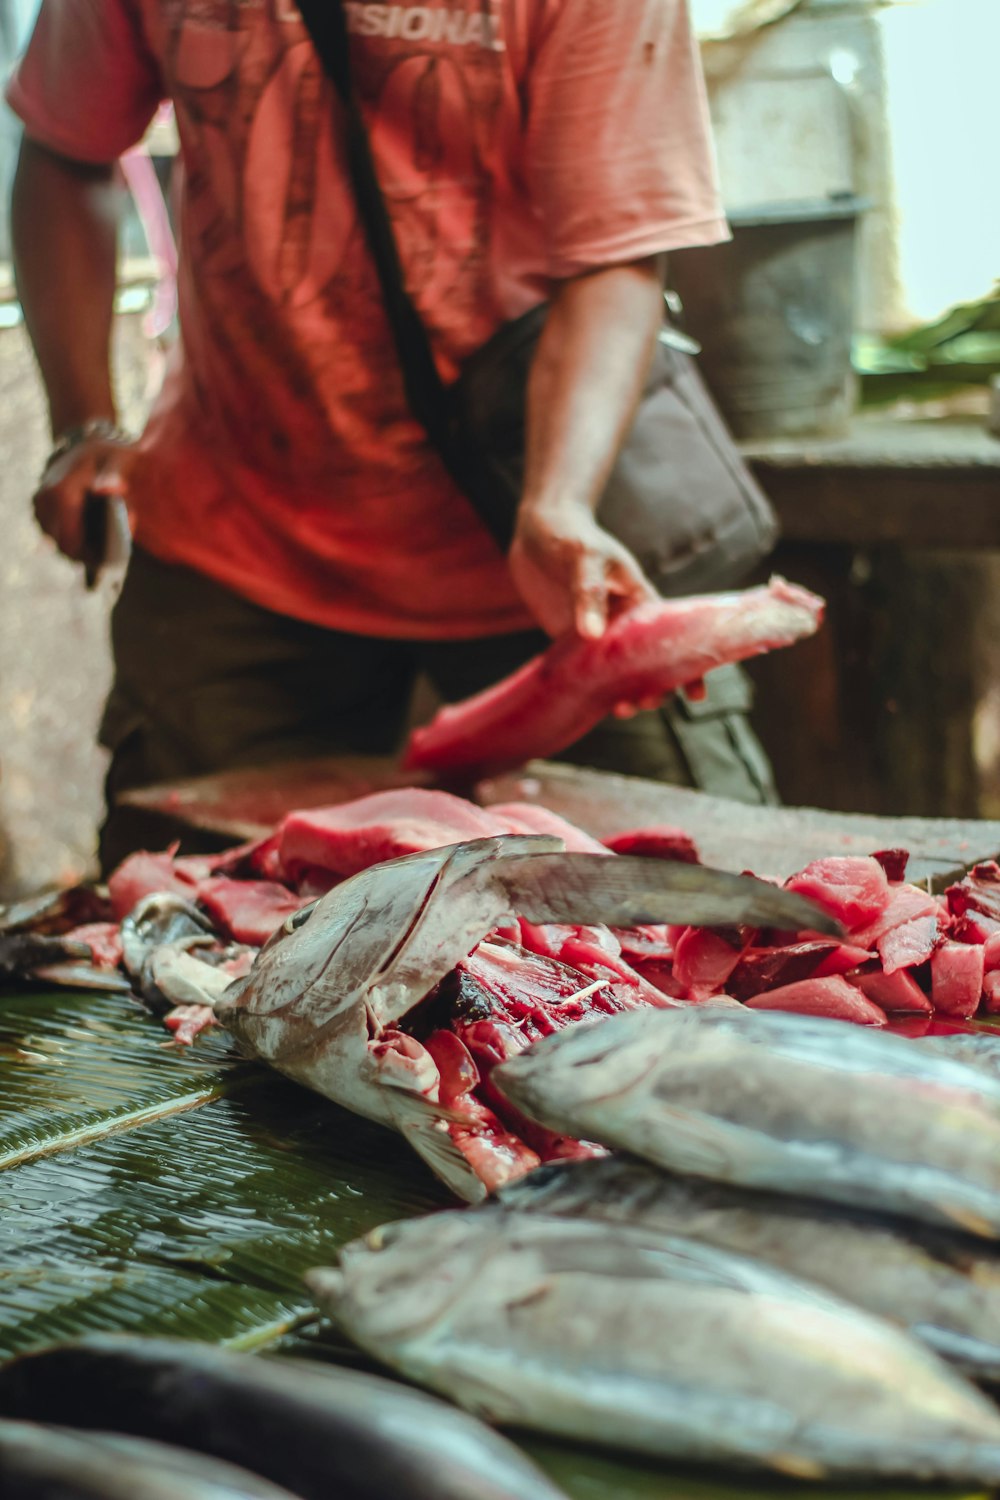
[59, 514]
[628, 582]
[100, 469]
[590, 596]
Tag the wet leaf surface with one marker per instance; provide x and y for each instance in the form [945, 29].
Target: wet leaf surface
[157, 1190]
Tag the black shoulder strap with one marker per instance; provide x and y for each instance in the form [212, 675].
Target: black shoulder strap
[326, 22]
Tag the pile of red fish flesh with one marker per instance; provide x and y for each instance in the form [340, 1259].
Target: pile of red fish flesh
[906, 953]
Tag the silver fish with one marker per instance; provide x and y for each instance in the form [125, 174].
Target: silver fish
[328, 992]
[39, 1463]
[944, 1287]
[979, 1049]
[801, 1105]
[656, 1344]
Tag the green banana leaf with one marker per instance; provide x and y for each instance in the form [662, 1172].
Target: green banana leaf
[181, 1192]
[960, 349]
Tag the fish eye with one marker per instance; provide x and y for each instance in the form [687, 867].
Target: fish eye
[299, 918]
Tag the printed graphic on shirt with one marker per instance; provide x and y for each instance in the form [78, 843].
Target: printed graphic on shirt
[270, 215]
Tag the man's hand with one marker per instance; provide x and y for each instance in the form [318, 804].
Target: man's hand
[94, 466]
[571, 573]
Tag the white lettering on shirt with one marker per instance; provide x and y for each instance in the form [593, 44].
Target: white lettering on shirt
[423, 23]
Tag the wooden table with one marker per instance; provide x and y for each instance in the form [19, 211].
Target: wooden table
[919, 483]
[730, 835]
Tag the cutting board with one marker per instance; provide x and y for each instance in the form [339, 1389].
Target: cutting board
[730, 835]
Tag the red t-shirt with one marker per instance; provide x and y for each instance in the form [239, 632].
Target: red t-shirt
[517, 142]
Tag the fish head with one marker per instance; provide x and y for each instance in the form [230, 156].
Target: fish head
[402, 1279]
[370, 950]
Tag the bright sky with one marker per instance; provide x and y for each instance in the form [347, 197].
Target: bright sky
[941, 61]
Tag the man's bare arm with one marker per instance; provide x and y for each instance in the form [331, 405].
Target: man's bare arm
[585, 385]
[64, 222]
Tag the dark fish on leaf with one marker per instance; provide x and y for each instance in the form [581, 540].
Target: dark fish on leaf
[331, 998]
[316, 1430]
[944, 1287]
[658, 1344]
[796, 1104]
[48, 1463]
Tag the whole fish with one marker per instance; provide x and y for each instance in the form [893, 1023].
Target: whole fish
[316, 1430]
[656, 1344]
[801, 1105]
[329, 994]
[49, 1463]
[944, 1287]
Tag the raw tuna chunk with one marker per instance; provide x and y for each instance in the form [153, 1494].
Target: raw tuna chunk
[659, 842]
[646, 944]
[648, 652]
[991, 953]
[525, 817]
[907, 903]
[909, 945]
[704, 960]
[854, 890]
[978, 892]
[843, 959]
[991, 992]
[974, 927]
[957, 979]
[248, 910]
[832, 997]
[144, 874]
[352, 837]
[895, 993]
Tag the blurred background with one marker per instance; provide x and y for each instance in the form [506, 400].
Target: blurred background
[849, 333]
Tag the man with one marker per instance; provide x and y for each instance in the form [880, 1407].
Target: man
[300, 552]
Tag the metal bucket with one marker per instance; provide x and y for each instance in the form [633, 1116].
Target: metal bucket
[774, 314]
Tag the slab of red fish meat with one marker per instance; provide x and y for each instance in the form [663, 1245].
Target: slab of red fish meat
[247, 910]
[832, 997]
[649, 652]
[350, 838]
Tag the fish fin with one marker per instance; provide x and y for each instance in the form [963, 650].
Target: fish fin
[424, 1125]
[629, 891]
